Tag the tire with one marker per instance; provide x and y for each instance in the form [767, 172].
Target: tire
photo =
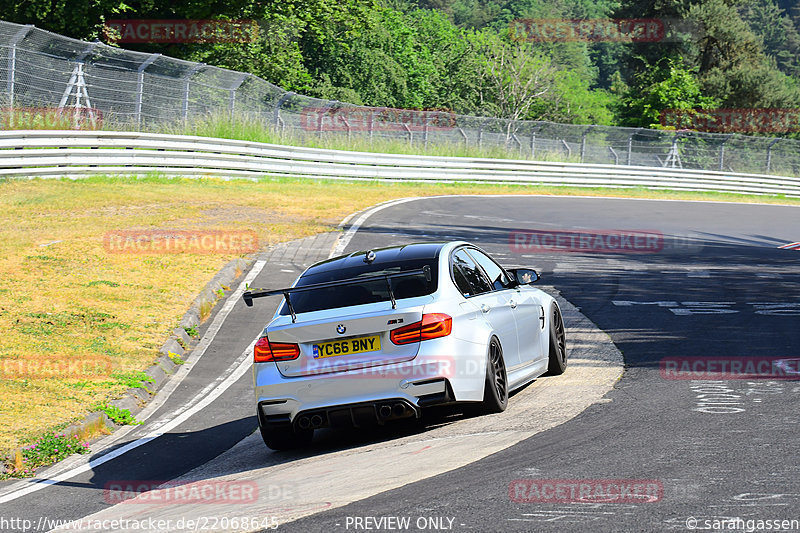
[495, 390]
[280, 438]
[558, 344]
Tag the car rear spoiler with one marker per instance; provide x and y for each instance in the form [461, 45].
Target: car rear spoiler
[261, 293]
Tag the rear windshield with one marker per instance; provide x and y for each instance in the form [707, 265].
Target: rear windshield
[368, 291]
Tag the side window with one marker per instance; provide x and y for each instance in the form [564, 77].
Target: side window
[497, 275]
[467, 275]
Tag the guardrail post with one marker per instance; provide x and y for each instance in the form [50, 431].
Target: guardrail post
[186, 79]
[630, 145]
[140, 87]
[769, 154]
[12, 67]
[583, 142]
[232, 92]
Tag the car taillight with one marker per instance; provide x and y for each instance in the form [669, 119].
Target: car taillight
[432, 326]
[266, 351]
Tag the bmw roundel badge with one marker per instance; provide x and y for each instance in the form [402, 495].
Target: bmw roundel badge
[340, 329]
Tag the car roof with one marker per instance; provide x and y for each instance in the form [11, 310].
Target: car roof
[388, 255]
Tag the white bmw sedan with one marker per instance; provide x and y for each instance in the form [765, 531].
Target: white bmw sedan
[379, 335]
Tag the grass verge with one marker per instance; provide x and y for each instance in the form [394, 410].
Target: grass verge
[65, 298]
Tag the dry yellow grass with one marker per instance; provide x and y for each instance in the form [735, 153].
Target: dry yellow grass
[64, 298]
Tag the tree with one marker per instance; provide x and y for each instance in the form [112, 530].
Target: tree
[81, 20]
[515, 76]
[667, 85]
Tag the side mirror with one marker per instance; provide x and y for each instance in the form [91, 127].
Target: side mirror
[524, 276]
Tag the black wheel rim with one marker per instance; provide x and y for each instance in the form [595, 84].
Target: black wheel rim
[498, 370]
[561, 337]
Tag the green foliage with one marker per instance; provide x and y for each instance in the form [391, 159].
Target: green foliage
[665, 86]
[46, 450]
[122, 417]
[135, 379]
[82, 20]
[191, 331]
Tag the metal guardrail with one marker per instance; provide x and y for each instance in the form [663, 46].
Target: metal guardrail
[75, 154]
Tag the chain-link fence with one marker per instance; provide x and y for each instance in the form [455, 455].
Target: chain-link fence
[142, 91]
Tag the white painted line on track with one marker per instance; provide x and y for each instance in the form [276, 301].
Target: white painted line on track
[200, 401]
[343, 240]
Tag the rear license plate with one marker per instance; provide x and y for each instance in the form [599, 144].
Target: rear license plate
[347, 347]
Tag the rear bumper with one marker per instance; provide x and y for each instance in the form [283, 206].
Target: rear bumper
[362, 393]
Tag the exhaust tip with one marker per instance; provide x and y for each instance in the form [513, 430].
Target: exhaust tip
[385, 411]
[304, 422]
[316, 421]
[398, 409]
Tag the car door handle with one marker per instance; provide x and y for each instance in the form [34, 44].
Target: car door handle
[485, 308]
[513, 304]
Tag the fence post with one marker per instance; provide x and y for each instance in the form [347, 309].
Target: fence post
[186, 79]
[371, 123]
[614, 153]
[569, 150]
[519, 143]
[140, 87]
[410, 133]
[769, 154]
[425, 128]
[480, 133]
[12, 66]
[78, 82]
[583, 142]
[347, 125]
[232, 92]
[277, 111]
[722, 152]
[536, 129]
[630, 145]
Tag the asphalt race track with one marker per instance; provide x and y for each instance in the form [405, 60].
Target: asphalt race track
[669, 282]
